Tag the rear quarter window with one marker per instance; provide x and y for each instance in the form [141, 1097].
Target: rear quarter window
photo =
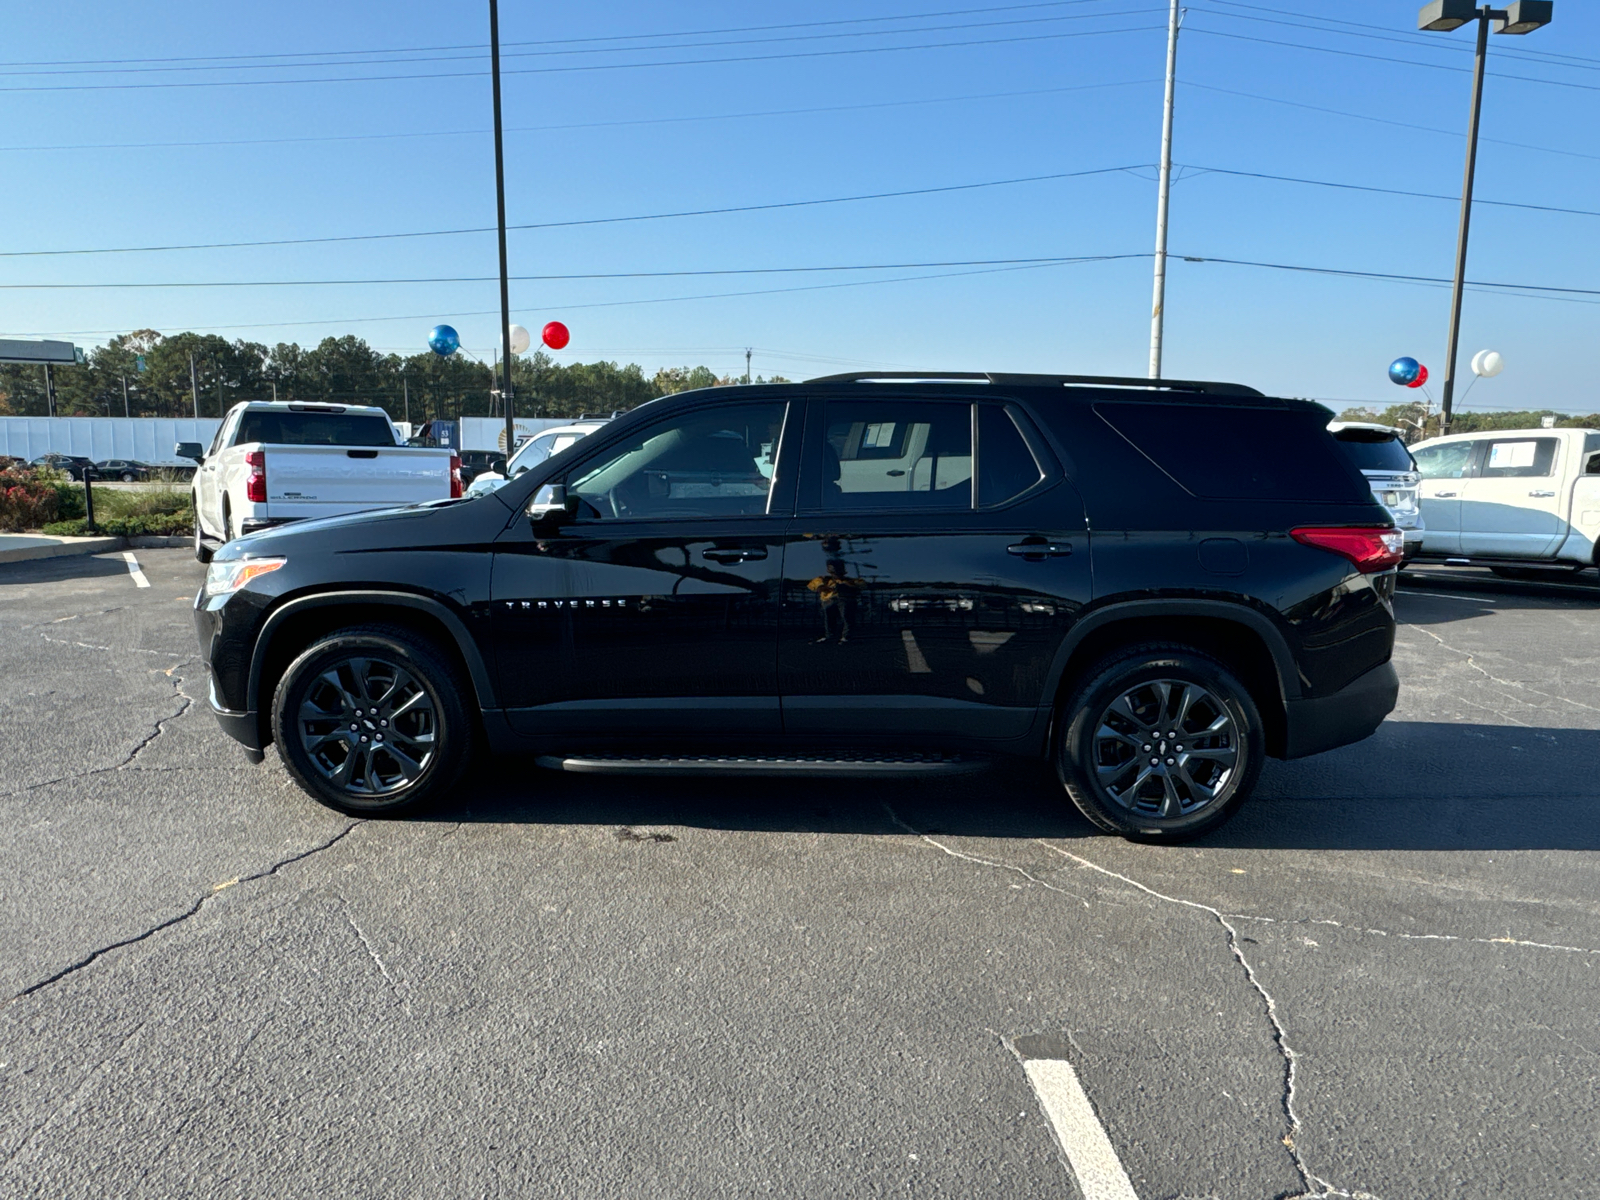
[1222, 452]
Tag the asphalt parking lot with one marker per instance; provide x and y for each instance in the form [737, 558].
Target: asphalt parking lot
[1379, 980]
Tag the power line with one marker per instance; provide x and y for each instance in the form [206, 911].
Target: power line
[789, 38]
[1335, 112]
[736, 116]
[699, 212]
[1517, 288]
[1357, 187]
[688, 62]
[958, 12]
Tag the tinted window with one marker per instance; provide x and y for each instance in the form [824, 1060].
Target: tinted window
[1237, 453]
[314, 429]
[1449, 461]
[897, 454]
[1370, 450]
[702, 464]
[1519, 458]
[1006, 467]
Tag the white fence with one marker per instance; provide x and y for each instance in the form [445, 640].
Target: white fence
[143, 439]
[150, 439]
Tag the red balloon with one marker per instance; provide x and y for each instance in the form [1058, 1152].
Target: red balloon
[556, 336]
[1422, 378]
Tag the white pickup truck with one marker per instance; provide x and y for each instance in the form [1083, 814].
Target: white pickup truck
[278, 462]
[1518, 501]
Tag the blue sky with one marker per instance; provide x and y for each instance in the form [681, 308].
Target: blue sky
[810, 111]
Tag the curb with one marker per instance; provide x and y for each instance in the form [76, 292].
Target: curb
[74, 546]
[61, 548]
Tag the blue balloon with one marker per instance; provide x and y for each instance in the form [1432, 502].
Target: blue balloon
[1404, 371]
[443, 340]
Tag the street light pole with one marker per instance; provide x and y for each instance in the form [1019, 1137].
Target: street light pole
[500, 201]
[1158, 304]
[1447, 391]
[1442, 16]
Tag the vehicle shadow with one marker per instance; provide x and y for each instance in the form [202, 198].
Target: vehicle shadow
[54, 570]
[1442, 596]
[1414, 785]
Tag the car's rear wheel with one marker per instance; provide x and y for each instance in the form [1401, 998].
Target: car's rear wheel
[370, 721]
[1160, 743]
[128, 477]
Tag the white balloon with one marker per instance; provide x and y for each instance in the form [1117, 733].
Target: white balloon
[1488, 363]
[520, 339]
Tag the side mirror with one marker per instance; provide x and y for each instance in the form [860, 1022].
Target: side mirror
[550, 504]
[194, 450]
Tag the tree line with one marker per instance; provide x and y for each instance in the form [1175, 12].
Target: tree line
[148, 374]
[1420, 421]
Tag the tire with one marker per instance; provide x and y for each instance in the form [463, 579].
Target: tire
[202, 552]
[348, 686]
[1111, 728]
[227, 524]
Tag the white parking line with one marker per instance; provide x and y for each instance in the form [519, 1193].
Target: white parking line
[1094, 1160]
[133, 569]
[1443, 596]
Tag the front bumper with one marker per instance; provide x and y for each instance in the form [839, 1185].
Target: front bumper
[1348, 715]
[242, 727]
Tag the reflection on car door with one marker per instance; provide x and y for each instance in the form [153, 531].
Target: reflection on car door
[1444, 469]
[655, 610]
[1510, 507]
[926, 588]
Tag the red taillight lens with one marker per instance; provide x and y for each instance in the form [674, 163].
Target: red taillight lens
[255, 487]
[1369, 549]
[455, 477]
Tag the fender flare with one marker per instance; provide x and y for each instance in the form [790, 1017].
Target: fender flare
[1224, 610]
[482, 684]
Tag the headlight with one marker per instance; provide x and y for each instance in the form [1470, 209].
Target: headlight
[223, 578]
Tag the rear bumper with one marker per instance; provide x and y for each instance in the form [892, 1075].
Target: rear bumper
[1350, 714]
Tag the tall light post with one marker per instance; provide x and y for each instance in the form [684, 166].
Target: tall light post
[1442, 16]
[1158, 304]
[500, 200]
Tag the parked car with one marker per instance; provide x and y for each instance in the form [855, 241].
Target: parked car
[535, 450]
[1379, 453]
[272, 463]
[1516, 501]
[477, 462]
[73, 465]
[1154, 587]
[125, 469]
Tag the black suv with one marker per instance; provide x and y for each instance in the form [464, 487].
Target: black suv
[1153, 586]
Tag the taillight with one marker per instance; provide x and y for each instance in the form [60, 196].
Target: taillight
[455, 477]
[1369, 549]
[255, 487]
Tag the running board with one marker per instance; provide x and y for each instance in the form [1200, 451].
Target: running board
[793, 765]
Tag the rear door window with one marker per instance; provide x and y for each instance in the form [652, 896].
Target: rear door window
[1519, 458]
[896, 454]
[1233, 452]
[1007, 466]
[1372, 451]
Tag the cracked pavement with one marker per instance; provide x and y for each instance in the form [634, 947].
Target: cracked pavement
[1379, 980]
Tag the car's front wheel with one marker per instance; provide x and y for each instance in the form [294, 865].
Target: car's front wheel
[371, 720]
[202, 551]
[1159, 743]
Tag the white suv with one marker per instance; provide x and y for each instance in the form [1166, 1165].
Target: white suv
[1379, 452]
[533, 452]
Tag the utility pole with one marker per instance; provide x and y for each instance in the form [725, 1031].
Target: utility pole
[49, 391]
[747, 364]
[125, 411]
[274, 391]
[405, 386]
[1159, 302]
[1447, 393]
[500, 200]
[194, 387]
[222, 404]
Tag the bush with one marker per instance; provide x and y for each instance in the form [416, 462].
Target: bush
[28, 498]
[158, 524]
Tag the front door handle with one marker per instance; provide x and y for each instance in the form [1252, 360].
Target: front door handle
[735, 554]
[1542, 495]
[1037, 548]
[1442, 496]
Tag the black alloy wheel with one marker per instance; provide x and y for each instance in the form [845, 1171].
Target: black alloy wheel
[370, 720]
[1162, 743]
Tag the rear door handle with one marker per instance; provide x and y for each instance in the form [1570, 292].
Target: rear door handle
[735, 554]
[1039, 548]
[1442, 496]
[1542, 495]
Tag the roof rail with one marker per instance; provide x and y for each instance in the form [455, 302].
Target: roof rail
[1169, 385]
